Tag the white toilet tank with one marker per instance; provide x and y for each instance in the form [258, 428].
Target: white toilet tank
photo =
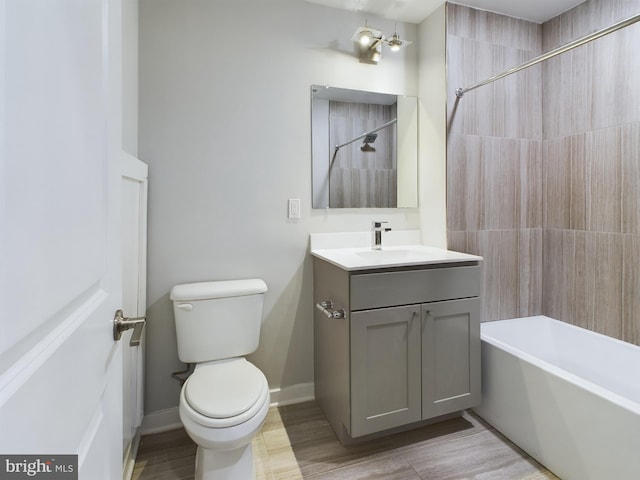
[216, 320]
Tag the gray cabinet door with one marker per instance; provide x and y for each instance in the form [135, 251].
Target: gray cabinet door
[450, 356]
[385, 369]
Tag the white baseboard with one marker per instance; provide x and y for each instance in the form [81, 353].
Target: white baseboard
[301, 392]
[161, 421]
[169, 418]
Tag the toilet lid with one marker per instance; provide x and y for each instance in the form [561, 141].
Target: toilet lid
[225, 389]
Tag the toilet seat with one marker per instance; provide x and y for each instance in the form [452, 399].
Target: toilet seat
[226, 393]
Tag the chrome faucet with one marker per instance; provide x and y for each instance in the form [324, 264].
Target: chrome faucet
[376, 234]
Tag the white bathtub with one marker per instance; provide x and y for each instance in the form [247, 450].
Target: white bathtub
[567, 396]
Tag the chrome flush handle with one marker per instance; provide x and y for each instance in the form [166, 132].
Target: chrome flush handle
[122, 323]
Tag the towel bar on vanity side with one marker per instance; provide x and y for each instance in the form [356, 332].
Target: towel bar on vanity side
[326, 307]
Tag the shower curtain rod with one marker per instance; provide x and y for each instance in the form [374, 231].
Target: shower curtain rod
[338, 147]
[552, 53]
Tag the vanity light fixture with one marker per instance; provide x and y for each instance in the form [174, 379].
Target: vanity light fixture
[394, 42]
[370, 42]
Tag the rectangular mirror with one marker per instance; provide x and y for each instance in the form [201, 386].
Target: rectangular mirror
[364, 149]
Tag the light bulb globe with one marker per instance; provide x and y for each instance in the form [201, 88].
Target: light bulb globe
[365, 38]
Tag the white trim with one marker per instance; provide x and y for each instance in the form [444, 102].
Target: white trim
[130, 457]
[169, 418]
[299, 393]
[160, 421]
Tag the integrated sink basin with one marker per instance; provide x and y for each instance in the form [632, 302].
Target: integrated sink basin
[384, 254]
[395, 256]
[352, 251]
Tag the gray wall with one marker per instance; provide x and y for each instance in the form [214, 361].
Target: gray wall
[224, 124]
[543, 166]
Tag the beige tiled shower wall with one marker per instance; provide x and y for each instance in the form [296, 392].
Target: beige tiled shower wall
[591, 165]
[494, 157]
[554, 208]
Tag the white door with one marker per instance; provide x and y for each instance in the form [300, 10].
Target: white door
[60, 260]
[134, 285]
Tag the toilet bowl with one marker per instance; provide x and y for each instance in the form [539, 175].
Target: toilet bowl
[223, 405]
[225, 401]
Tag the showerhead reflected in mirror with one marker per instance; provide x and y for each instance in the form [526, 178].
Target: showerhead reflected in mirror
[370, 137]
[364, 148]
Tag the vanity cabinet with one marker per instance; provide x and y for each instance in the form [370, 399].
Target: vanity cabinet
[407, 350]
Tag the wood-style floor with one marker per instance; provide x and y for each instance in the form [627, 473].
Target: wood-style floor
[296, 442]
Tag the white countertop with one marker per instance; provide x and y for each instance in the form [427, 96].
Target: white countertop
[353, 256]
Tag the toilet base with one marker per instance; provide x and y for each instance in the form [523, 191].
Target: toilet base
[234, 464]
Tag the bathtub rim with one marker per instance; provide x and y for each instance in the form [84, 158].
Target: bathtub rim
[590, 386]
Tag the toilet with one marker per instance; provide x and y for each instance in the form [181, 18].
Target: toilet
[224, 402]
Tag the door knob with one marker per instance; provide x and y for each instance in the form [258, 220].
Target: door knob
[122, 323]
